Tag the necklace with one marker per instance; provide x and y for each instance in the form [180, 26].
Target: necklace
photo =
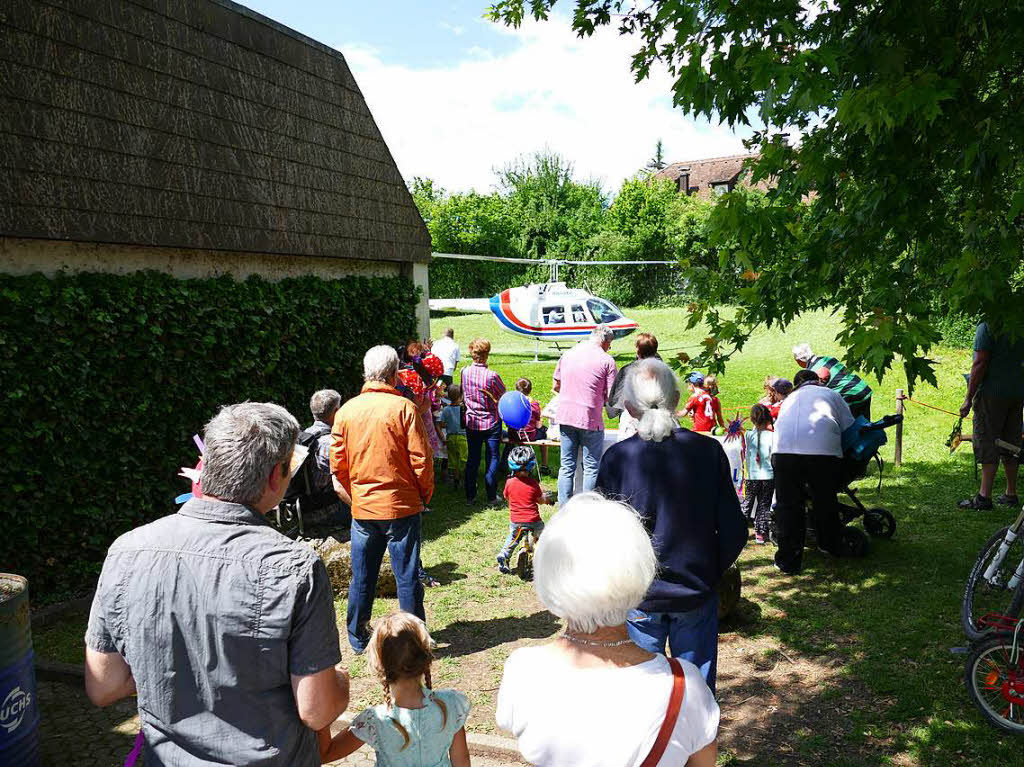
[578, 640]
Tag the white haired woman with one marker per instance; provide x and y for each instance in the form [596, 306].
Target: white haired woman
[592, 697]
[680, 483]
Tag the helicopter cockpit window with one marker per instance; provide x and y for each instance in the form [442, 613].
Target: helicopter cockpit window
[553, 315]
[603, 311]
[578, 315]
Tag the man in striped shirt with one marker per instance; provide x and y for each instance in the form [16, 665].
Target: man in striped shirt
[833, 373]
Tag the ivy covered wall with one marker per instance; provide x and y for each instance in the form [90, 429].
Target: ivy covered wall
[105, 379]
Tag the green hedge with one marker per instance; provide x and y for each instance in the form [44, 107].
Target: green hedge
[106, 378]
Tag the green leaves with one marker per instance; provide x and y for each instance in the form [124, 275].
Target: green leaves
[902, 202]
[107, 377]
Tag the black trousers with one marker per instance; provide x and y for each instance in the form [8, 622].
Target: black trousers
[795, 477]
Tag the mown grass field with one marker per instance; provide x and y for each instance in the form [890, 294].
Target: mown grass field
[847, 664]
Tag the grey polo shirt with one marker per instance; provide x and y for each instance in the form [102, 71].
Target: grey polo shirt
[214, 610]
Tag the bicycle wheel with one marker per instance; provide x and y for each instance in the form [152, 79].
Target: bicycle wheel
[983, 596]
[996, 683]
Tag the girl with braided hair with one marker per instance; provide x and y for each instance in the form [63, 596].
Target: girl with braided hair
[417, 726]
[760, 485]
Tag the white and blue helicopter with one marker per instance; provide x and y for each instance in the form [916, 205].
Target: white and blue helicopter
[550, 311]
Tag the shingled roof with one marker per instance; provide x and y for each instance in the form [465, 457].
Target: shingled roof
[700, 176]
[191, 124]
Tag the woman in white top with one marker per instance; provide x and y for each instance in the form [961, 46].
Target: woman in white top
[808, 456]
[592, 698]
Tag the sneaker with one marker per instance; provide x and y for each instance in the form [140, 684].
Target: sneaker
[1008, 500]
[760, 539]
[978, 502]
[503, 565]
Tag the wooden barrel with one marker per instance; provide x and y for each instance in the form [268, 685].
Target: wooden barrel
[19, 712]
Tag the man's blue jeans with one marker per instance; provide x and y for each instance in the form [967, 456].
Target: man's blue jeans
[370, 537]
[489, 441]
[592, 442]
[692, 635]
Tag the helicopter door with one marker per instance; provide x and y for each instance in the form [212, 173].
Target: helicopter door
[579, 316]
[553, 315]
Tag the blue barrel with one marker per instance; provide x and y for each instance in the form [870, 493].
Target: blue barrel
[19, 712]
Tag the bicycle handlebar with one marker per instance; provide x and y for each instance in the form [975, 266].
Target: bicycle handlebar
[885, 423]
[1011, 449]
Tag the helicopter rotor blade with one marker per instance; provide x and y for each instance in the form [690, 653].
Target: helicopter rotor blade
[545, 261]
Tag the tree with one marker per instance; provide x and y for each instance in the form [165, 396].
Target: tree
[657, 162]
[903, 196]
[558, 214]
[638, 226]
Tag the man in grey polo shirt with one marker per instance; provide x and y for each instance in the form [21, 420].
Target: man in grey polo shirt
[223, 626]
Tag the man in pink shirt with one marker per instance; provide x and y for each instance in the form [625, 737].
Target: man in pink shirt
[583, 379]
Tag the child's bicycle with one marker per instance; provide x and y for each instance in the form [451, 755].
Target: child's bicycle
[523, 566]
[996, 583]
[994, 673]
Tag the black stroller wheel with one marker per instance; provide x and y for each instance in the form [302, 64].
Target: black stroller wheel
[879, 523]
[854, 543]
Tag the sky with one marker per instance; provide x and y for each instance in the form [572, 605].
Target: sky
[458, 97]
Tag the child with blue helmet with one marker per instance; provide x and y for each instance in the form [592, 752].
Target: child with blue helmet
[524, 495]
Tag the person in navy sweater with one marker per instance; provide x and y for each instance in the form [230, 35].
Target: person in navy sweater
[680, 484]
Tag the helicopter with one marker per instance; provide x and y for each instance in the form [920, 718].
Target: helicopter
[550, 311]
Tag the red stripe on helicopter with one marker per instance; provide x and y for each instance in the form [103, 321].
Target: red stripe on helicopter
[506, 309]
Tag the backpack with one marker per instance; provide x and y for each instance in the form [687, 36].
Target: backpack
[303, 487]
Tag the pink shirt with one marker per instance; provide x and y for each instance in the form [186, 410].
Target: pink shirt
[585, 374]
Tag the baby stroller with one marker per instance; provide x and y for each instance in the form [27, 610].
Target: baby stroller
[860, 445]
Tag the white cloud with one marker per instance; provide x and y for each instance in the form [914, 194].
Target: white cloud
[459, 122]
[453, 28]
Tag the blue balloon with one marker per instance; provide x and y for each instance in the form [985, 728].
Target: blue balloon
[514, 409]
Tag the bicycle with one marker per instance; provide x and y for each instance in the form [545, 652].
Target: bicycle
[523, 566]
[994, 673]
[996, 583]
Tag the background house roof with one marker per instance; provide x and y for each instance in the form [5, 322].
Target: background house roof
[704, 173]
[191, 124]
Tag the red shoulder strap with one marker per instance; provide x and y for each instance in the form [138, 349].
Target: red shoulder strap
[675, 702]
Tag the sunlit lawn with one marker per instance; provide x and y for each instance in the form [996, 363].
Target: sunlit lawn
[847, 664]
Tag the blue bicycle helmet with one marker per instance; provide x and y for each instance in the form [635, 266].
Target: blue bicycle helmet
[521, 459]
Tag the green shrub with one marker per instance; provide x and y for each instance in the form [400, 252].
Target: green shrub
[958, 330]
[106, 378]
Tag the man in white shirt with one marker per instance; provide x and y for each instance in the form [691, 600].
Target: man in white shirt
[447, 350]
[808, 454]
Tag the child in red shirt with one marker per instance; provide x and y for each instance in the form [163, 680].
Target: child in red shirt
[703, 405]
[524, 495]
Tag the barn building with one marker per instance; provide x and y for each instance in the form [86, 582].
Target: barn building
[196, 138]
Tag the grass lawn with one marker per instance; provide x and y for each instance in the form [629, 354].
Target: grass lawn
[846, 664]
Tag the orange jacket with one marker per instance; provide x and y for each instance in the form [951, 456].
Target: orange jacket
[380, 454]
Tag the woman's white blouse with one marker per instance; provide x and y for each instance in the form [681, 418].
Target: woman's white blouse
[607, 717]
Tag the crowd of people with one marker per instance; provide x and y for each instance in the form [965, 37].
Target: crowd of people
[226, 631]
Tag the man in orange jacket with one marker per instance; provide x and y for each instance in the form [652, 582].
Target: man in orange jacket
[381, 457]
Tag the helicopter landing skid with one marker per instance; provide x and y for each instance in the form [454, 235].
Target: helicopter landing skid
[536, 349]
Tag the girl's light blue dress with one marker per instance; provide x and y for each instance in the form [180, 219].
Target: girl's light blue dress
[430, 737]
[766, 441]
